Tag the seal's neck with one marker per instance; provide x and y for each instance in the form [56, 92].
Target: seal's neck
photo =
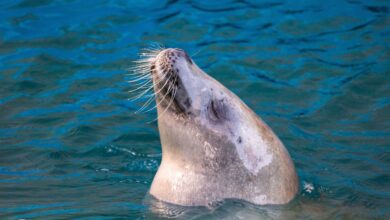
[187, 144]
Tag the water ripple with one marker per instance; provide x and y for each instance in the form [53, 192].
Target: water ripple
[71, 147]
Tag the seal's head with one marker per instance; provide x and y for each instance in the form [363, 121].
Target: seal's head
[191, 92]
[213, 145]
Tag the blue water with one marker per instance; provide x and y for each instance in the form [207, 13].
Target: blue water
[318, 72]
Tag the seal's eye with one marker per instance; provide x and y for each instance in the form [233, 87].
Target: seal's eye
[217, 110]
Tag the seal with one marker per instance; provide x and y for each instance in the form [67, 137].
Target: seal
[214, 147]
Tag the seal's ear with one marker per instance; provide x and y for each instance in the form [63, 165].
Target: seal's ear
[217, 110]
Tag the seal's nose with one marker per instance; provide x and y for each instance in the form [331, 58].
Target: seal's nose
[184, 54]
[180, 53]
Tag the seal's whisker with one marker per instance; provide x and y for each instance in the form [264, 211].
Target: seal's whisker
[167, 80]
[156, 45]
[144, 105]
[169, 104]
[140, 67]
[150, 95]
[157, 103]
[141, 76]
[196, 53]
[145, 84]
[153, 94]
[141, 94]
[153, 50]
[147, 103]
[157, 92]
[139, 64]
[140, 97]
[161, 100]
[144, 61]
[151, 87]
[138, 72]
[141, 82]
[148, 55]
[135, 79]
[137, 68]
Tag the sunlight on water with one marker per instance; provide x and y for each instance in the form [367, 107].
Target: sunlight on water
[71, 146]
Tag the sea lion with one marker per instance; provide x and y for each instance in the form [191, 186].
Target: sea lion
[214, 146]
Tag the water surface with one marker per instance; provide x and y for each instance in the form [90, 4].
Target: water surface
[317, 72]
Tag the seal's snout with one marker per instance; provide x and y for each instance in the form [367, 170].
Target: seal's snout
[183, 54]
[173, 54]
[171, 62]
[172, 74]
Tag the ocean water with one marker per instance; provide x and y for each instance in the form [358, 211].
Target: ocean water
[71, 147]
